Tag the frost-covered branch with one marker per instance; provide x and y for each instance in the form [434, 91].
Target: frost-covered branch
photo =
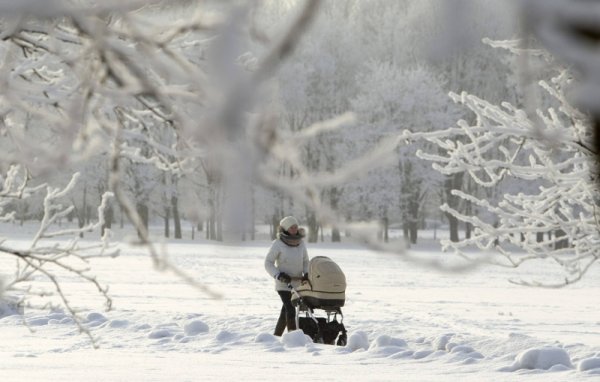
[56, 260]
[549, 204]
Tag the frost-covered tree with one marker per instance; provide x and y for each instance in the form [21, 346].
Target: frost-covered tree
[392, 99]
[318, 85]
[555, 221]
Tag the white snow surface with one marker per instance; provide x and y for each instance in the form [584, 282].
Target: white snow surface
[404, 322]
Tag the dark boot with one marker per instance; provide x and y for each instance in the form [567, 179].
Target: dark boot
[280, 326]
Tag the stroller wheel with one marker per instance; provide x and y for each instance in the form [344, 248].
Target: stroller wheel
[342, 340]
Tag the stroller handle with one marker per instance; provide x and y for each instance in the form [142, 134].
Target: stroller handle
[295, 278]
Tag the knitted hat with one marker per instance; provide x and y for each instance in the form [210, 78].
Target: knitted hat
[287, 222]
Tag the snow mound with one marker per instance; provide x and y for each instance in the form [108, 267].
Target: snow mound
[440, 342]
[95, 319]
[119, 323]
[161, 333]
[422, 354]
[589, 364]
[464, 354]
[385, 340]
[545, 358]
[94, 316]
[226, 336]
[37, 321]
[265, 338]
[195, 327]
[358, 340]
[462, 349]
[296, 338]
[141, 327]
[402, 354]
[386, 345]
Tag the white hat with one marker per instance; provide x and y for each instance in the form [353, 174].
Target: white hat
[287, 222]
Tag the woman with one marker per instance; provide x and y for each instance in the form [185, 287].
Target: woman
[287, 262]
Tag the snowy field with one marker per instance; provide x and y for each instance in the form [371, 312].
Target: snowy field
[405, 322]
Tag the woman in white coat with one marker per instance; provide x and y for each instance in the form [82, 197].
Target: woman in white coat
[287, 262]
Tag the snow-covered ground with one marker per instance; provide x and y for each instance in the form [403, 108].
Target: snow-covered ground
[405, 322]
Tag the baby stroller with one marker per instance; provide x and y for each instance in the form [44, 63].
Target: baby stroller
[325, 289]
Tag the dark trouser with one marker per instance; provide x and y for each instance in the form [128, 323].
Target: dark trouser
[287, 314]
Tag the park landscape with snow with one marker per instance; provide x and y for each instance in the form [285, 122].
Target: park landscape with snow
[373, 122]
[405, 322]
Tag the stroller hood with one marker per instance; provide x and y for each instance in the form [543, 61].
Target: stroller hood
[326, 276]
[326, 287]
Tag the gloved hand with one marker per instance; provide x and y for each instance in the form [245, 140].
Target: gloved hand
[284, 278]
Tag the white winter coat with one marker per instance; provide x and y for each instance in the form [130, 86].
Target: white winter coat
[284, 258]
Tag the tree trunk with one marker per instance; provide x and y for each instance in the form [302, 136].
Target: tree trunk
[468, 226]
[211, 229]
[413, 225]
[561, 243]
[386, 228]
[336, 237]
[211, 224]
[219, 228]
[88, 214]
[176, 217]
[142, 210]
[24, 208]
[274, 226]
[405, 231]
[313, 228]
[334, 197]
[81, 212]
[453, 182]
[166, 219]
[251, 227]
[539, 237]
[453, 227]
[413, 231]
[108, 218]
